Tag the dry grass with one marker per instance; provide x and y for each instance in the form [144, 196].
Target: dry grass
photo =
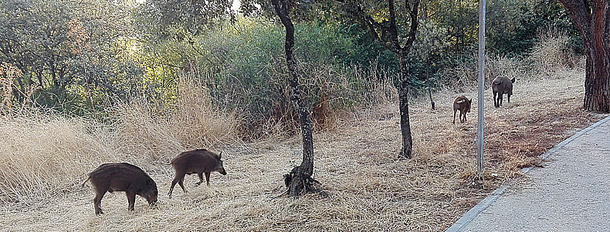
[160, 132]
[356, 163]
[550, 58]
[552, 53]
[465, 74]
[8, 73]
[42, 155]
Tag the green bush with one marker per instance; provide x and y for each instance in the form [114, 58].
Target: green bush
[244, 67]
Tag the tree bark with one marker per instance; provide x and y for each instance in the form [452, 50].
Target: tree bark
[403, 98]
[592, 21]
[403, 89]
[299, 180]
[597, 85]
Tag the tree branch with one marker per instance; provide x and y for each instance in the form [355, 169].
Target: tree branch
[357, 11]
[580, 13]
[414, 23]
[393, 29]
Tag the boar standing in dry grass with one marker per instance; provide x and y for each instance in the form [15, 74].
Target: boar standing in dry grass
[112, 177]
[501, 86]
[462, 104]
[196, 161]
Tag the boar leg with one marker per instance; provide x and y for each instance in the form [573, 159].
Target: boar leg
[509, 98]
[181, 183]
[177, 179]
[172, 188]
[454, 110]
[207, 178]
[97, 202]
[499, 99]
[200, 174]
[131, 198]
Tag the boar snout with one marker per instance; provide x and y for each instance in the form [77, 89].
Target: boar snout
[152, 200]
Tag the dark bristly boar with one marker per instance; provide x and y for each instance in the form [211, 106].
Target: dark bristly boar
[196, 161]
[462, 104]
[125, 177]
[501, 86]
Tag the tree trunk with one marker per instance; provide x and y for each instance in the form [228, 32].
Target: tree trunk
[388, 36]
[597, 84]
[592, 20]
[403, 97]
[306, 127]
[299, 180]
[597, 77]
[39, 77]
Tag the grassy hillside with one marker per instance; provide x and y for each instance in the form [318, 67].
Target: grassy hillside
[44, 160]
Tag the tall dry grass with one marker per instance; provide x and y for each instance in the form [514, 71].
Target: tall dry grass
[46, 155]
[552, 53]
[8, 73]
[161, 132]
[549, 58]
[464, 75]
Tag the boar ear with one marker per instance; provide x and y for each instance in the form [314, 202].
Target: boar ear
[512, 80]
[220, 155]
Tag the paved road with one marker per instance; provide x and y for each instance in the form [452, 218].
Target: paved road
[572, 193]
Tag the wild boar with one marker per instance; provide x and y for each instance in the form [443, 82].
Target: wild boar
[462, 104]
[196, 161]
[501, 86]
[125, 177]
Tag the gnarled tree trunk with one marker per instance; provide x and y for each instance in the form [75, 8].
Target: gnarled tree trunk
[592, 18]
[299, 180]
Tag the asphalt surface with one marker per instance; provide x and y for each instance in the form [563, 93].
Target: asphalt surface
[571, 193]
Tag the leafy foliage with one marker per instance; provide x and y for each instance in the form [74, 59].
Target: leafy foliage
[67, 48]
[178, 19]
[237, 64]
[82, 56]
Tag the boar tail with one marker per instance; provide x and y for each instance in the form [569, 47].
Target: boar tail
[83, 185]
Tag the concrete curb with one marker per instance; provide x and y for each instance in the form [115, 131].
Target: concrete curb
[477, 209]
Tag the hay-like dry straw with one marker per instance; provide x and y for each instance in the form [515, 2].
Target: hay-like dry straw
[42, 154]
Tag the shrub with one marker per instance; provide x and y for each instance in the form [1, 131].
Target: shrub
[553, 52]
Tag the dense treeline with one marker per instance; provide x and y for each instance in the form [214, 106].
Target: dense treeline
[68, 51]
[81, 57]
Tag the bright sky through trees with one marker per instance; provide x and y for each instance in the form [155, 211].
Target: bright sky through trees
[236, 4]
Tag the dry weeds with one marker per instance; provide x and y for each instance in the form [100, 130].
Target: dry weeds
[553, 53]
[42, 155]
[162, 131]
[356, 163]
